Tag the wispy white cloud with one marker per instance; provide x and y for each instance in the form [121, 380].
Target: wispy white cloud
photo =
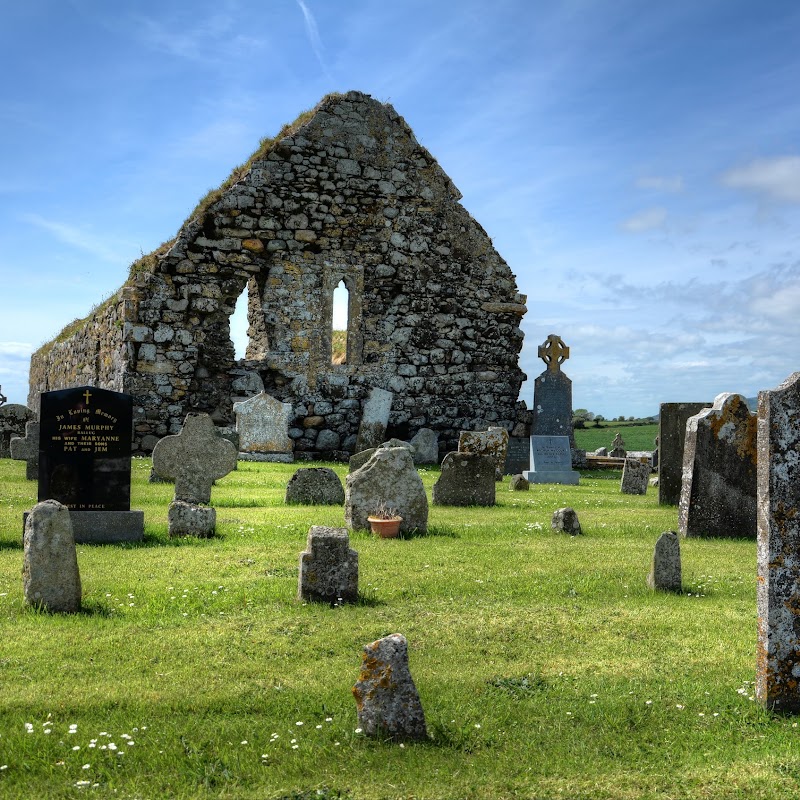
[15, 349]
[645, 220]
[76, 237]
[775, 178]
[313, 35]
[672, 184]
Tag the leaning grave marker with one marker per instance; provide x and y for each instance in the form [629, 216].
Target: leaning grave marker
[85, 438]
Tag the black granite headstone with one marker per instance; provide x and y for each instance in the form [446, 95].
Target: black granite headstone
[85, 449]
[518, 456]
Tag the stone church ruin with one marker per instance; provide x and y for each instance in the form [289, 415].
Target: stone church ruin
[345, 195]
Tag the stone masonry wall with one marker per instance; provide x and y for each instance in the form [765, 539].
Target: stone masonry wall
[348, 195]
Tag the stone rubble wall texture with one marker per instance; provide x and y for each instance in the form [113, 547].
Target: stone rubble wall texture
[778, 582]
[718, 493]
[345, 194]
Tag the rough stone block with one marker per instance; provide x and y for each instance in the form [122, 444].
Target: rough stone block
[315, 486]
[190, 519]
[566, 521]
[665, 573]
[328, 567]
[467, 479]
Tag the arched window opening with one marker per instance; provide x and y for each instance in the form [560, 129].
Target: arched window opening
[340, 324]
[247, 326]
[238, 323]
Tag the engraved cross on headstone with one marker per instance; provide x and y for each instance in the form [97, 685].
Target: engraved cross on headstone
[194, 458]
[553, 352]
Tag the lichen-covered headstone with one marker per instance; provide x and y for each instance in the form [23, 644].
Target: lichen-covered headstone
[519, 483]
[191, 519]
[27, 449]
[388, 478]
[426, 446]
[778, 586]
[319, 486]
[635, 477]
[665, 573]
[374, 419]
[492, 442]
[566, 520]
[50, 577]
[194, 458]
[328, 567]
[718, 495]
[387, 700]
[262, 423]
[467, 479]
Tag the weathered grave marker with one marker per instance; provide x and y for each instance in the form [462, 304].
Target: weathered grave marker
[311, 486]
[13, 419]
[718, 495]
[665, 573]
[27, 449]
[262, 423]
[518, 455]
[671, 437]
[328, 567]
[551, 461]
[425, 446]
[519, 483]
[85, 439]
[387, 700]
[492, 442]
[374, 419]
[467, 479]
[778, 587]
[618, 447]
[566, 520]
[635, 477]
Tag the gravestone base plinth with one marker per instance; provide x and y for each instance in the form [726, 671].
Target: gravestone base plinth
[570, 477]
[551, 461]
[278, 458]
[104, 527]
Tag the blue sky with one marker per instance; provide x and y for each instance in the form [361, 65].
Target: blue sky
[636, 163]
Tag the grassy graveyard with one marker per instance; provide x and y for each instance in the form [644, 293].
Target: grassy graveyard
[545, 666]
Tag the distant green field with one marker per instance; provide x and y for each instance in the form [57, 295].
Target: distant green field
[636, 437]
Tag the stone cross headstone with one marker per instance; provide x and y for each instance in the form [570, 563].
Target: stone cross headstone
[671, 437]
[85, 437]
[27, 449]
[665, 573]
[492, 442]
[389, 478]
[262, 423]
[552, 393]
[194, 459]
[328, 567]
[635, 477]
[13, 419]
[387, 700]
[618, 447]
[566, 520]
[319, 486]
[467, 479]
[718, 494]
[778, 584]
[551, 461]
[50, 577]
[374, 419]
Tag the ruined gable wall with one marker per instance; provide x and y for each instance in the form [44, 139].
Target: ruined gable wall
[349, 195]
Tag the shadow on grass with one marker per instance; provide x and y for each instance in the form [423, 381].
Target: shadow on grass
[433, 530]
[89, 608]
[11, 545]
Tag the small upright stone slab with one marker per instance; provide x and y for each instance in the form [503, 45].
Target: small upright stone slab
[665, 573]
[190, 519]
[27, 449]
[492, 442]
[566, 521]
[315, 486]
[425, 446]
[262, 423]
[13, 419]
[778, 586]
[551, 461]
[635, 477]
[374, 419]
[387, 700]
[389, 478]
[328, 567]
[50, 577]
[718, 496]
[672, 420]
[519, 483]
[194, 459]
[467, 479]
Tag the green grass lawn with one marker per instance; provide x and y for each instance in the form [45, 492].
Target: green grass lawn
[545, 666]
[636, 437]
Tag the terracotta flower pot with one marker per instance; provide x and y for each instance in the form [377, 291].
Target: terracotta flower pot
[385, 528]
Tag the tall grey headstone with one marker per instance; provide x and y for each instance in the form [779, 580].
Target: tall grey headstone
[635, 477]
[467, 479]
[50, 576]
[328, 567]
[718, 494]
[551, 461]
[671, 437]
[778, 585]
[387, 700]
[388, 478]
[27, 449]
[665, 573]
[552, 393]
[374, 419]
[262, 423]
